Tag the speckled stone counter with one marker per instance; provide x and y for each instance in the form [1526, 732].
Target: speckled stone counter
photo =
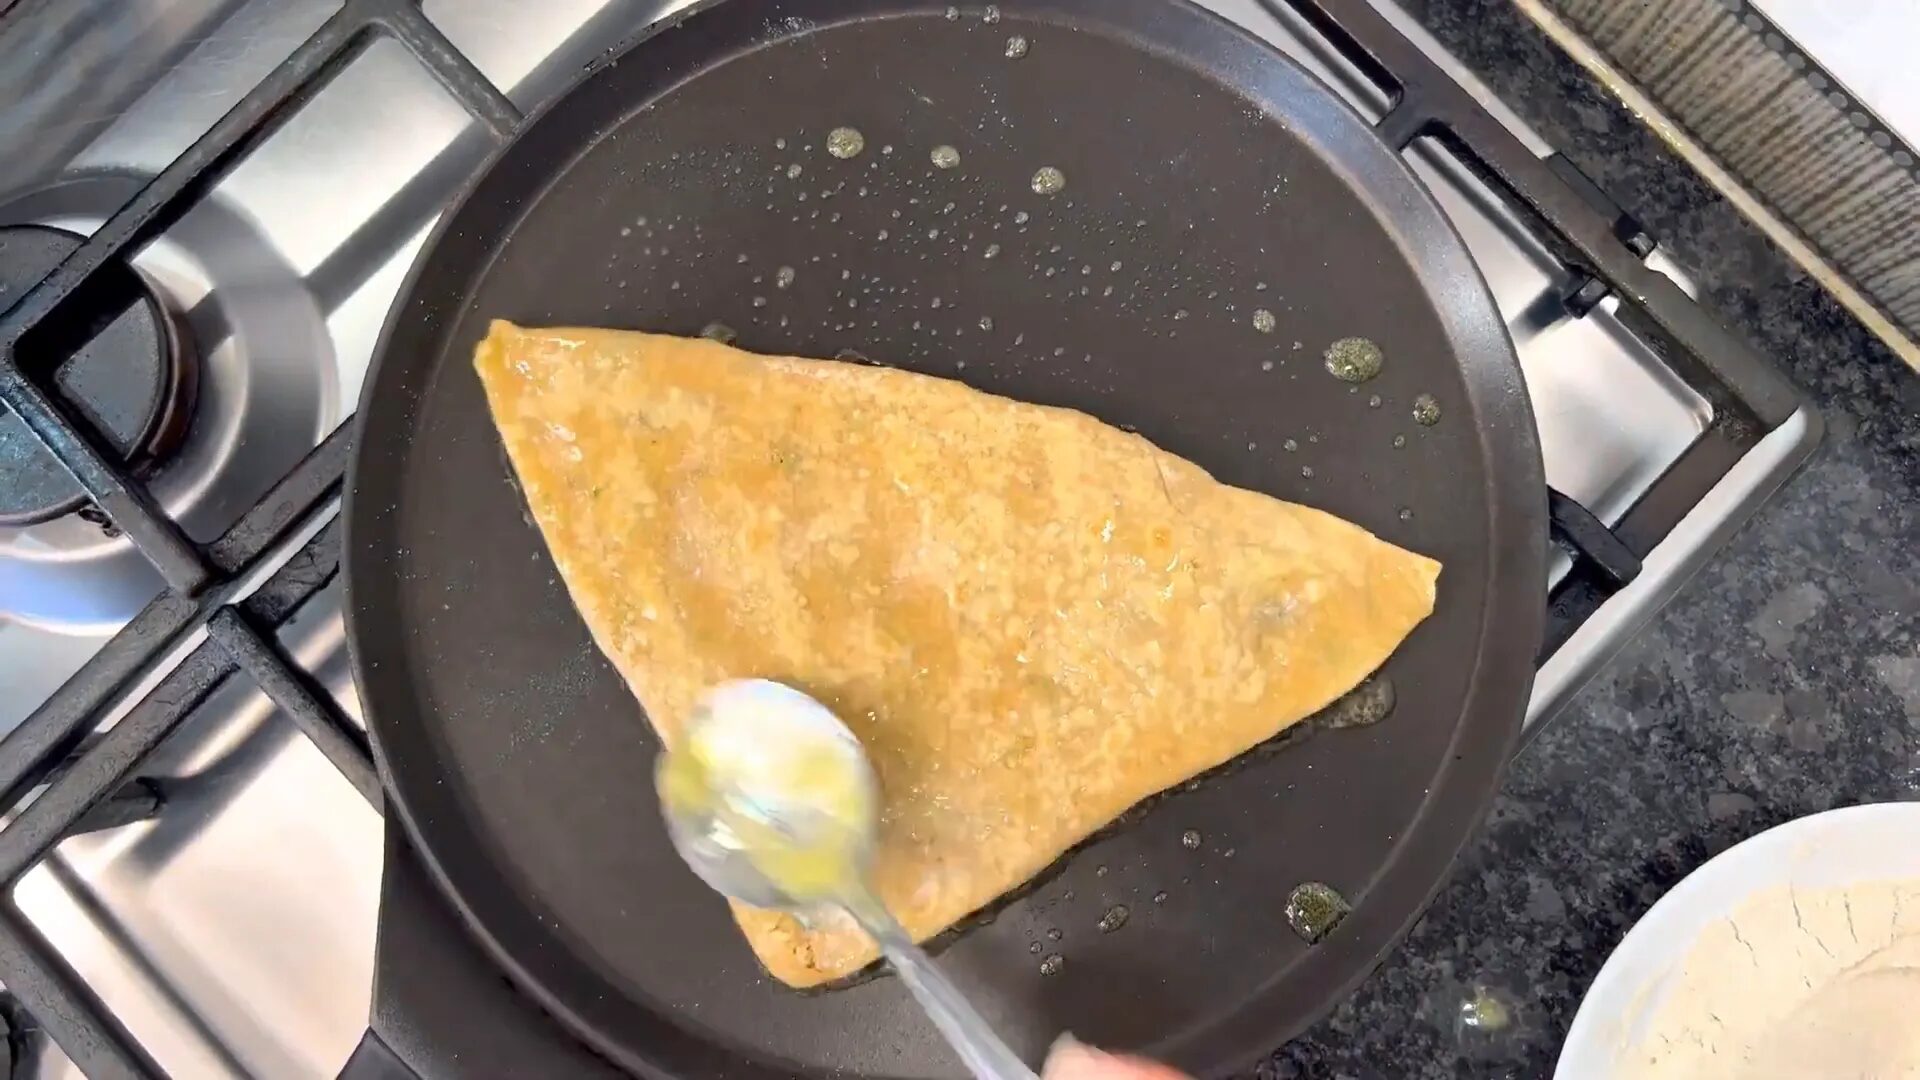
[1784, 680]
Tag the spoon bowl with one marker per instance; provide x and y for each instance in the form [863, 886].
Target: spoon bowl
[733, 787]
[772, 801]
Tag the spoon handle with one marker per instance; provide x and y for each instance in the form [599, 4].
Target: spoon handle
[984, 1054]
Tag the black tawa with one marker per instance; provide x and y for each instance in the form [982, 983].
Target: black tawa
[1207, 178]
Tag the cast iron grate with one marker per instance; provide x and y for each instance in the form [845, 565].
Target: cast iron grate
[86, 781]
[203, 584]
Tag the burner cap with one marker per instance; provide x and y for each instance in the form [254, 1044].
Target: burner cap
[128, 376]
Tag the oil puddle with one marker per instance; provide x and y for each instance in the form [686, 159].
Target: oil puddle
[845, 143]
[1354, 359]
[1369, 703]
[1426, 411]
[1049, 181]
[1314, 909]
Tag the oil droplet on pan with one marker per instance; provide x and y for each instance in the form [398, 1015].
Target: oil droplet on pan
[1314, 909]
[953, 13]
[1426, 411]
[945, 157]
[1016, 47]
[1114, 919]
[1033, 947]
[1399, 441]
[845, 142]
[794, 170]
[783, 277]
[1053, 964]
[1191, 839]
[1049, 181]
[1354, 359]
[1160, 897]
[720, 332]
[1264, 321]
[991, 15]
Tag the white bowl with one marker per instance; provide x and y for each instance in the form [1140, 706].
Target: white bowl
[1877, 842]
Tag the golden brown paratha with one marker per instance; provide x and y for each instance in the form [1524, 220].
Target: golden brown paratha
[1031, 619]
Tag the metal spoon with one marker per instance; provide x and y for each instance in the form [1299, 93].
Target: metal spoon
[766, 783]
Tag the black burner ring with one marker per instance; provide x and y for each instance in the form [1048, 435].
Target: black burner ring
[127, 372]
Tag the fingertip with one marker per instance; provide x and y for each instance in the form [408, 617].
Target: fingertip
[1071, 1059]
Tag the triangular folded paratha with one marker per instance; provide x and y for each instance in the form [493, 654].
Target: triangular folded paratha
[1031, 619]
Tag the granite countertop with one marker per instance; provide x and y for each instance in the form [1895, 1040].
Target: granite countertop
[1784, 680]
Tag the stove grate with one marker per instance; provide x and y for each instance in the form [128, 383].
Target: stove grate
[203, 584]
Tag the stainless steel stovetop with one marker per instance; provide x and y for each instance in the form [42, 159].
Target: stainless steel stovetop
[234, 933]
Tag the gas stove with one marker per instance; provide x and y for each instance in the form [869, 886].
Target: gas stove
[227, 194]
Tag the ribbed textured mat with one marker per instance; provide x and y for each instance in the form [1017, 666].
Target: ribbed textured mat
[1806, 152]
